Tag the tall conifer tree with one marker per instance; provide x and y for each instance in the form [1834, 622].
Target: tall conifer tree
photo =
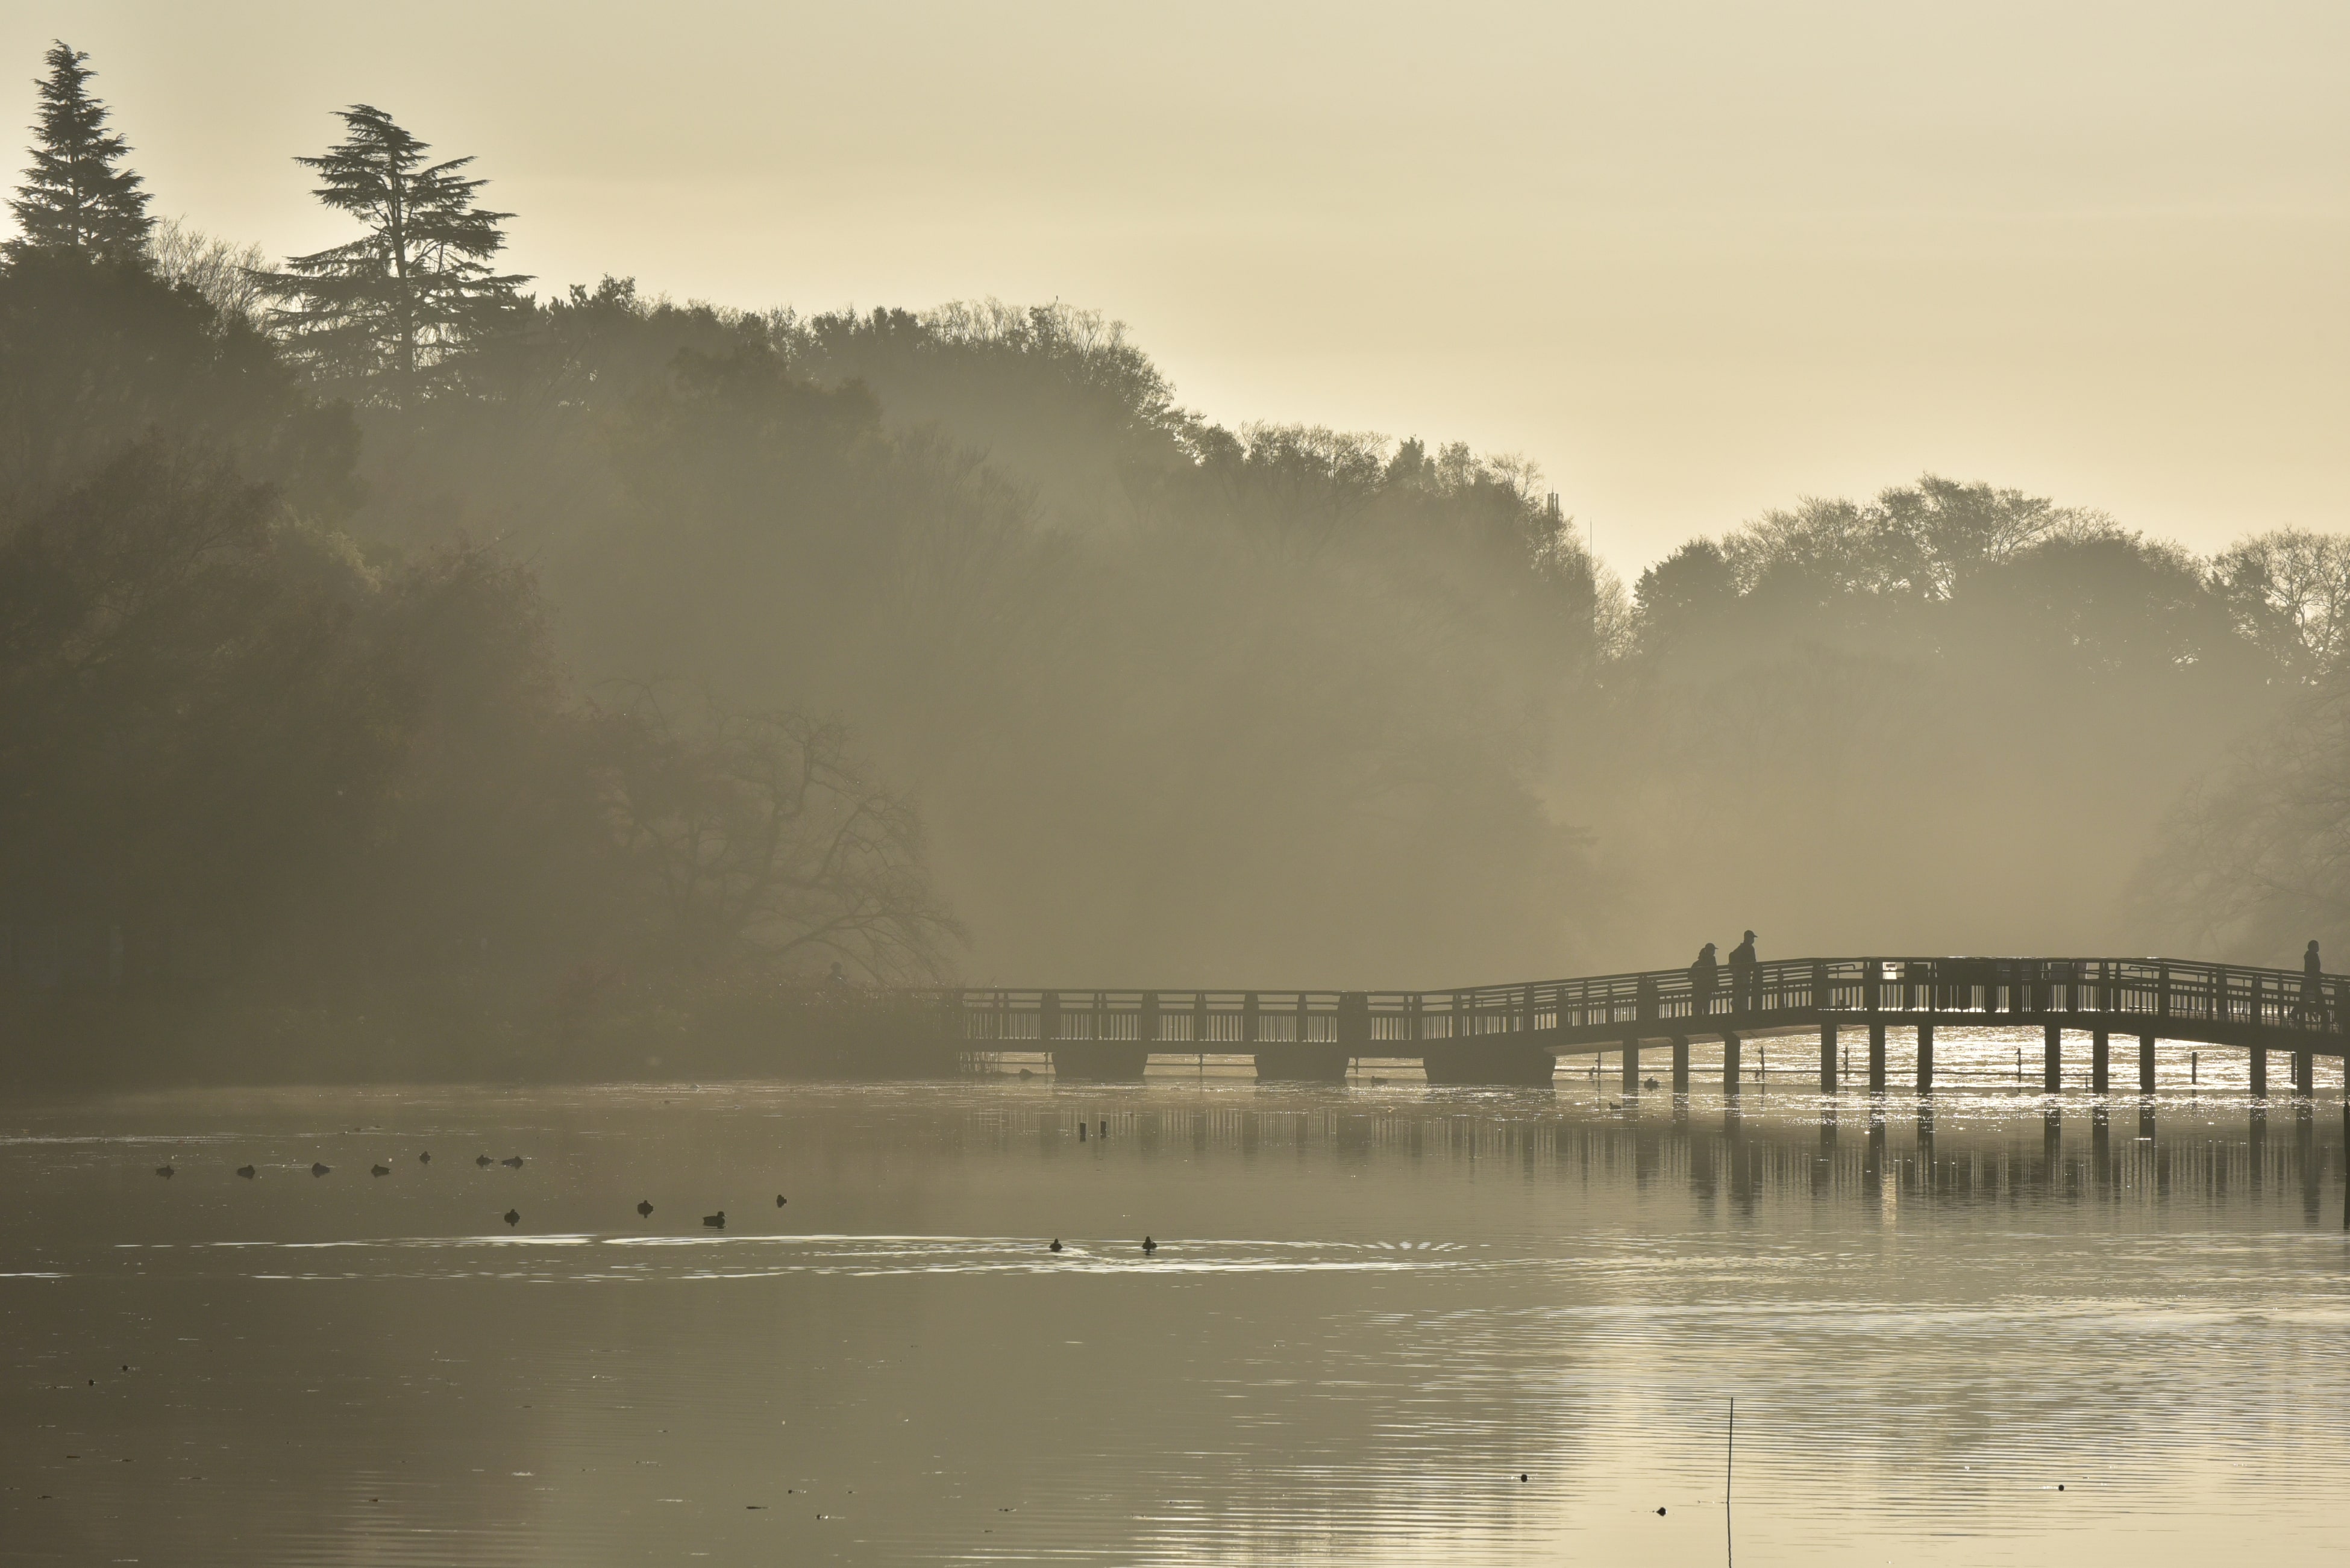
[382, 315]
[74, 196]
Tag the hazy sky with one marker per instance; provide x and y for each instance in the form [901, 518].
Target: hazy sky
[1695, 259]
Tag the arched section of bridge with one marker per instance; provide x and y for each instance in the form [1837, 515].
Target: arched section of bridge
[1516, 1033]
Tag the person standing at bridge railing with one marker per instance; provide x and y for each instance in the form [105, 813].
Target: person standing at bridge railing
[2311, 1014]
[1704, 975]
[1742, 967]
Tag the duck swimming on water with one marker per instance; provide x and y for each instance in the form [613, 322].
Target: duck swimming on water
[1055, 1246]
[715, 1221]
[379, 1170]
[514, 1216]
[162, 1170]
[1149, 1246]
[483, 1160]
[514, 1163]
[644, 1209]
[245, 1171]
[318, 1170]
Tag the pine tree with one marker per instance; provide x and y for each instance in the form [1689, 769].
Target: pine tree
[73, 198]
[381, 315]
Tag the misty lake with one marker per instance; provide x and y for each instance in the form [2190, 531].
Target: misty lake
[1385, 1324]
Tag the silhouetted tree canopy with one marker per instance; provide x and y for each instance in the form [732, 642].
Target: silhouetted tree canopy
[96, 353]
[76, 197]
[379, 316]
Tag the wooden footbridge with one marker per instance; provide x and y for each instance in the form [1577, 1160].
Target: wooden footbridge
[1516, 1033]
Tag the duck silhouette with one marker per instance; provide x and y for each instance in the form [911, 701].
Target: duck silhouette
[483, 1160]
[513, 1162]
[245, 1171]
[424, 1158]
[715, 1221]
[644, 1209]
[318, 1170]
[779, 1201]
[1055, 1246]
[514, 1216]
[379, 1170]
[1149, 1246]
[162, 1170]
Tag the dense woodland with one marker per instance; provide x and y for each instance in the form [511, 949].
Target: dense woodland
[406, 671]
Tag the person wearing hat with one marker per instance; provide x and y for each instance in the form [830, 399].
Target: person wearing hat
[1742, 965]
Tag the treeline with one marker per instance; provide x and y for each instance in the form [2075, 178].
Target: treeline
[543, 678]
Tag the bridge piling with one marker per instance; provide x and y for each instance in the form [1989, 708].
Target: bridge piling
[1680, 1063]
[2146, 1064]
[1730, 1074]
[1875, 1057]
[1829, 1057]
[1926, 1057]
[2305, 1074]
[2260, 1071]
[1631, 1063]
[2051, 1060]
[2099, 1049]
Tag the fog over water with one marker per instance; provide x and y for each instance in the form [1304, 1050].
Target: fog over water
[1370, 1312]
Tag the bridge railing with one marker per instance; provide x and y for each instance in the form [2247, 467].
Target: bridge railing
[1653, 1001]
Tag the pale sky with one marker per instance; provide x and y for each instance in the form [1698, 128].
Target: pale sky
[1695, 259]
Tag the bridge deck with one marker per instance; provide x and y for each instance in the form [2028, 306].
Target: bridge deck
[2171, 999]
[2176, 999]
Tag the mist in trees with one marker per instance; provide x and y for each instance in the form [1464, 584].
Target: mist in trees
[540, 678]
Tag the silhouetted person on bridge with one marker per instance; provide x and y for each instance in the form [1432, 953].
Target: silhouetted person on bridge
[1742, 975]
[1704, 974]
[2313, 989]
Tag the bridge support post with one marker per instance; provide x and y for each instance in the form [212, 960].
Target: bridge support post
[2146, 1064]
[1631, 1063]
[2099, 1048]
[1828, 1058]
[1730, 1074]
[2052, 1059]
[1680, 1063]
[1926, 1058]
[2260, 1070]
[2305, 1074]
[1875, 1057]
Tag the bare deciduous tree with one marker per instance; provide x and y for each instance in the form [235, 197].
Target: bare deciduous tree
[224, 272]
[2288, 592]
[769, 847]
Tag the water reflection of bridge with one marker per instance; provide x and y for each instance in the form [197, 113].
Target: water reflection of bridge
[1982, 1153]
[1516, 1033]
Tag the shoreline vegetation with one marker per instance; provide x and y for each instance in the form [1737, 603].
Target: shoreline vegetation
[403, 672]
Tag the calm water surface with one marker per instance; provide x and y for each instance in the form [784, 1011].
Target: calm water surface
[1373, 1311]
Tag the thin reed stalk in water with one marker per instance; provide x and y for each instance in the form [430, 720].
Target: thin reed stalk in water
[1729, 1459]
